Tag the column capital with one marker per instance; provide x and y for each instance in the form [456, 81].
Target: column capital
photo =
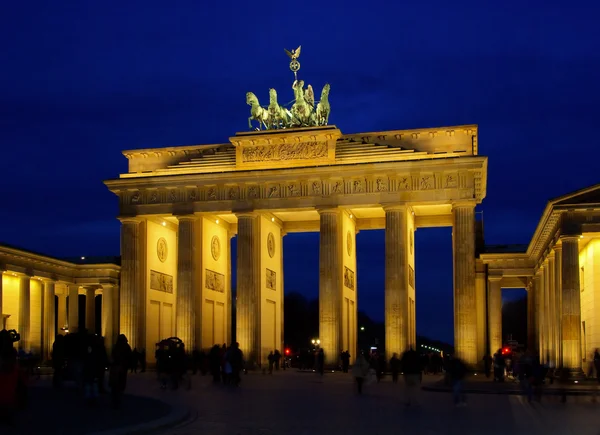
[395, 207]
[495, 278]
[329, 210]
[187, 217]
[246, 214]
[130, 219]
[464, 204]
[557, 248]
[570, 238]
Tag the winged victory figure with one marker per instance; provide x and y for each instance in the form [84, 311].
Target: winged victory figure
[294, 54]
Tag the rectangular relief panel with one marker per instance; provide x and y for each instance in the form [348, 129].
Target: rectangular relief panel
[215, 281]
[161, 282]
[411, 276]
[348, 278]
[271, 279]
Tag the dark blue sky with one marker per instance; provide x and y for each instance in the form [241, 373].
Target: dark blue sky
[81, 81]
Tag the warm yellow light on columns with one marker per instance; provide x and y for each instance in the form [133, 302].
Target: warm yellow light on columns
[465, 314]
[133, 282]
[107, 322]
[48, 315]
[558, 301]
[537, 289]
[571, 304]
[73, 310]
[186, 281]
[330, 290]
[62, 312]
[24, 312]
[396, 280]
[495, 312]
[248, 287]
[90, 310]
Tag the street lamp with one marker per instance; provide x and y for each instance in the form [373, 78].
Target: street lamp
[362, 328]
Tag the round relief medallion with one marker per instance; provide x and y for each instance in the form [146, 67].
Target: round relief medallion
[215, 248]
[271, 245]
[411, 242]
[349, 243]
[161, 249]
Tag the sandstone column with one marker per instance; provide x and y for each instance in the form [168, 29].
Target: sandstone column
[248, 287]
[558, 301]
[330, 285]
[108, 331]
[186, 283]
[49, 329]
[530, 317]
[546, 312]
[1, 316]
[551, 307]
[230, 235]
[495, 313]
[571, 305]
[465, 316]
[537, 287]
[133, 282]
[116, 300]
[24, 312]
[90, 310]
[282, 345]
[396, 280]
[73, 311]
[62, 312]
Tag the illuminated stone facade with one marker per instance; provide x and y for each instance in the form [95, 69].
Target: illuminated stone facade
[559, 269]
[39, 297]
[180, 206]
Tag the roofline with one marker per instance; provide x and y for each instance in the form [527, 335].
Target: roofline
[43, 257]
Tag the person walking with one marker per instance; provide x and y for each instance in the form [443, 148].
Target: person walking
[457, 371]
[360, 370]
[395, 367]
[411, 366]
[121, 361]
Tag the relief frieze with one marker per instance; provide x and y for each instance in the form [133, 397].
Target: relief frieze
[451, 181]
[337, 188]
[293, 189]
[211, 194]
[253, 192]
[215, 281]
[404, 183]
[161, 282]
[381, 184]
[279, 152]
[426, 182]
[274, 191]
[348, 278]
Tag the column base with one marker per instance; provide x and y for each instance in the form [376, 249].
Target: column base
[570, 375]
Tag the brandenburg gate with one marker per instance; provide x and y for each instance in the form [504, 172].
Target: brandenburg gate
[180, 206]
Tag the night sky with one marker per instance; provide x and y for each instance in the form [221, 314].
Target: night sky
[82, 81]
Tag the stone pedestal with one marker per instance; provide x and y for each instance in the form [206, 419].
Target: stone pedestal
[186, 282]
[90, 310]
[495, 313]
[73, 310]
[396, 280]
[465, 316]
[48, 327]
[133, 282]
[248, 287]
[571, 305]
[330, 285]
[24, 312]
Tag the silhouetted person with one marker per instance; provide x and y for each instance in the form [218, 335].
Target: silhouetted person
[271, 359]
[121, 360]
[236, 359]
[12, 380]
[395, 367]
[457, 371]
[143, 361]
[321, 361]
[135, 357]
[499, 366]
[345, 361]
[411, 366]
[102, 365]
[360, 370]
[487, 365]
[58, 361]
[276, 359]
[214, 358]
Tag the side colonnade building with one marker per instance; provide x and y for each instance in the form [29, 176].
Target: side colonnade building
[40, 297]
[560, 268]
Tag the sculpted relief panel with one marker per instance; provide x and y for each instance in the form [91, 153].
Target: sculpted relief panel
[293, 151]
[467, 185]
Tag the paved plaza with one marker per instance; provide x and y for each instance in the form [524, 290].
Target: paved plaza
[305, 403]
[302, 403]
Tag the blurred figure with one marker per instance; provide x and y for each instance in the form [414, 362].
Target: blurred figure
[58, 361]
[345, 357]
[121, 360]
[499, 365]
[321, 362]
[360, 369]
[395, 367]
[487, 365]
[411, 367]
[457, 371]
[271, 359]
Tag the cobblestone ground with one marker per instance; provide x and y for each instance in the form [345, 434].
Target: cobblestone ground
[299, 403]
